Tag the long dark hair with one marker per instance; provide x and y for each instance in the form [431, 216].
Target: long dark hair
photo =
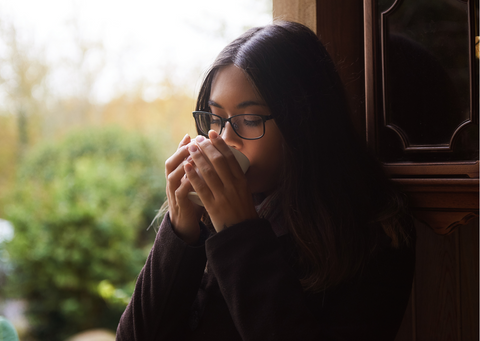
[336, 199]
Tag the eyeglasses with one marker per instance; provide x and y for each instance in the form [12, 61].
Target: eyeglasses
[246, 126]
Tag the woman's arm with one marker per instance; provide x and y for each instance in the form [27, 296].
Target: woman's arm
[168, 283]
[165, 289]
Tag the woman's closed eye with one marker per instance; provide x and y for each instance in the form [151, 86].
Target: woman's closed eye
[252, 121]
[216, 121]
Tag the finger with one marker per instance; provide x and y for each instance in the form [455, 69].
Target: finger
[186, 140]
[218, 161]
[176, 159]
[205, 168]
[219, 143]
[180, 154]
[174, 179]
[181, 193]
[198, 184]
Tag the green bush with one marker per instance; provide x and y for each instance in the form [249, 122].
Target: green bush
[80, 209]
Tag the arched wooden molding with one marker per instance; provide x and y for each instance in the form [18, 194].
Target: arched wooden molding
[442, 204]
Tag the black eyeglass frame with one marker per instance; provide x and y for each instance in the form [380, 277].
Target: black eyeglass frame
[225, 120]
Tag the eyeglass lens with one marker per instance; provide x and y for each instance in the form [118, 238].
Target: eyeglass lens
[246, 126]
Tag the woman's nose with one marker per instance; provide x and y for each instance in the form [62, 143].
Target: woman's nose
[230, 137]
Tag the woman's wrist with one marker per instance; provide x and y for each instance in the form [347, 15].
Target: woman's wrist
[189, 235]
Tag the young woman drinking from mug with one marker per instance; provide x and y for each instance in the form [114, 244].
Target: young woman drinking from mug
[311, 243]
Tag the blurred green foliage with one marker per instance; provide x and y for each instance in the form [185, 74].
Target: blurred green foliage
[80, 209]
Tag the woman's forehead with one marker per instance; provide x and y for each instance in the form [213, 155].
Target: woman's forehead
[232, 84]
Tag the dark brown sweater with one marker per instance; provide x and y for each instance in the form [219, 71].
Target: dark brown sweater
[250, 291]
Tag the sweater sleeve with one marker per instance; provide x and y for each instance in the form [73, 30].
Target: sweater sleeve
[266, 300]
[165, 289]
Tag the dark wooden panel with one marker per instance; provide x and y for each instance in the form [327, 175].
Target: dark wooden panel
[468, 236]
[445, 299]
[340, 28]
[436, 286]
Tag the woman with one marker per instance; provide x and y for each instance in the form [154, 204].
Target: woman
[312, 243]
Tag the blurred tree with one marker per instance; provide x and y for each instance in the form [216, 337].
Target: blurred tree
[8, 154]
[165, 120]
[23, 92]
[80, 209]
[23, 79]
[32, 109]
[77, 76]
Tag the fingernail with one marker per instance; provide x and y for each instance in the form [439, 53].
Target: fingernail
[192, 148]
[185, 137]
[199, 138]
[189, 159]
[213, 134]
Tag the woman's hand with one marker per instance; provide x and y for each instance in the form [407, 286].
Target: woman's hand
[184, 214]
[219, 182]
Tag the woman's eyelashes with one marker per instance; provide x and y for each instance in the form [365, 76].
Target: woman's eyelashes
[252, 122]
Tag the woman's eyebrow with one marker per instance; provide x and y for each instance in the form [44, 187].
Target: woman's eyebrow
[214, 104]
[239, 106]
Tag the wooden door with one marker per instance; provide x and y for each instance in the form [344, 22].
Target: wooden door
[437, 164]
